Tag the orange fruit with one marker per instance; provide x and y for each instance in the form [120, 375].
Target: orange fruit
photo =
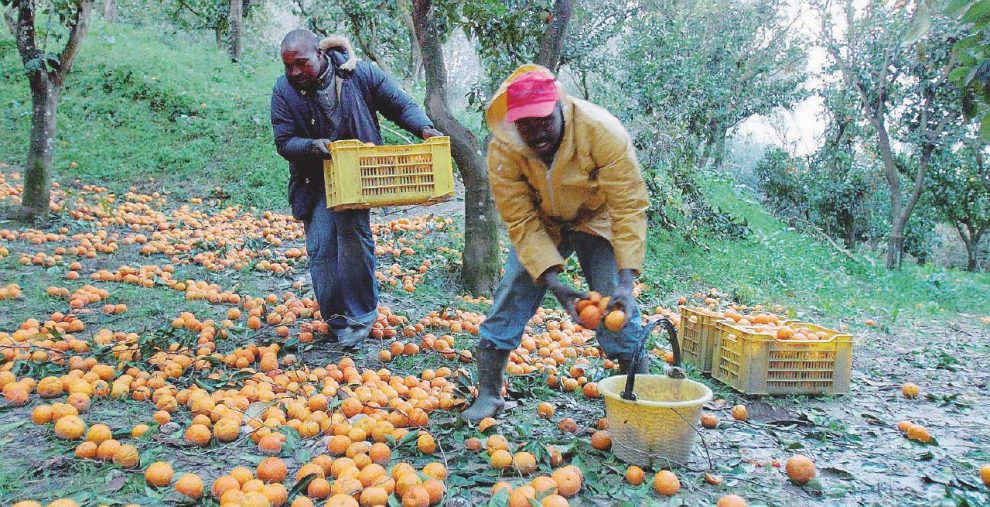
[276, 493]
[223, 484]
[198, 434]
[910, 390]
[374, 496]
[473, 444]
[601, 440]
[318, 488]
[568, 480]
[615, 320]
[709, 421]
[919, 433]
[242, 474]
[159, 474]
[107, 449]
[435, 489]
[302, 501]
[635, 475]
[590, 317]
[501, 459]
[70, 427]
[543, 485]
[500, 485]
[272, 470]
[425, 443]
[126, 456]
[521, 496]
[42, 414]
[568, 425]
[190, 485]
[985, 474]
[544, 410]
[740, 413]
[800, 469]
[524, 462]
[496, 442]
[98, 433]
[554, 501]
[271, 444]
[341, 500]
[590, 390]
[486, 423]
[436, 471]
[416, 496]
[86, 450]
[903, 426]
[666, 483]
[731, 501]
[380, 453]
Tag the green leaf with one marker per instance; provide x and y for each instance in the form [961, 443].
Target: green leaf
[977, 11]
[301, 485]
[957, 7]
[985, 128]
[958, 74]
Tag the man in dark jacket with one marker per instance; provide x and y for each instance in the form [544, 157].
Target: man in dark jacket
[324, 96]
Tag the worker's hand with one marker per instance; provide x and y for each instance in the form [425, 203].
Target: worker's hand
[429, 132]
[567, 296]
[321, 147]
[622, 296]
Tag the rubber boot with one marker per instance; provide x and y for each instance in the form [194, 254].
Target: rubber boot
[643, 368]
[491, 365]
[352, 336]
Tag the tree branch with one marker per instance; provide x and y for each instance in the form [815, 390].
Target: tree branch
[552, 42]
[24, 33]
[80, 25]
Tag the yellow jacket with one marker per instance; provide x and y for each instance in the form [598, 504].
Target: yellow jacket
[594, 184]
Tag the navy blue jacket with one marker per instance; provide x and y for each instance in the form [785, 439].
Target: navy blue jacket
[297, 120]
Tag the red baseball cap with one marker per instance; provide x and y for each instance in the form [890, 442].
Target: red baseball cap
[531, 95]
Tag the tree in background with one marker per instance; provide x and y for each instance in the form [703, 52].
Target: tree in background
[695, 70]
[433, 22]
[47, 71]
[972, 52]
[215, 15]
[960, 189]
[381, 29]
[901, 80]
[110, 11]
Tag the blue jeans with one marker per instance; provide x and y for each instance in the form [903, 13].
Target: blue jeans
[518, 297]
[341, 253]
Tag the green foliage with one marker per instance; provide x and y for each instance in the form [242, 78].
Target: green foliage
[167, 107]
[960, 194]
[694, 70]
[972, 73]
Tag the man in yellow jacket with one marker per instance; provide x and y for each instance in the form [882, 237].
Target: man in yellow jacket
[566, 180]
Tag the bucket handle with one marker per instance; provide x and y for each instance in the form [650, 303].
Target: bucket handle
[677, 372]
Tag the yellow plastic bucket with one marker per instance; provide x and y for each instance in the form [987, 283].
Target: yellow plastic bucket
[659, 428]
[654, 419]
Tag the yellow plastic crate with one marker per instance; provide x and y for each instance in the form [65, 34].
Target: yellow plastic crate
[360, 177]
[758, 363]
[697, 336]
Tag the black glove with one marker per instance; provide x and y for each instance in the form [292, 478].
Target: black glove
[321, 147]
[566, 295]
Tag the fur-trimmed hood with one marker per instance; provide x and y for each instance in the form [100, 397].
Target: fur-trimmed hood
[343, 45]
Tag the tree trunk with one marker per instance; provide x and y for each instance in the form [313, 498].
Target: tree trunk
[481, 256]
[415, 55]
[236, 27]
[972, 241]
[38, 171]
[552, 42]
[110, 11]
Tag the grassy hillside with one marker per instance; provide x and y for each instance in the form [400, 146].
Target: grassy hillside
[172, 108]
[173, 113]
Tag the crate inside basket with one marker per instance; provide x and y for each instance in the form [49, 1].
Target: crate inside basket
[360, 176]
[754, 362]
[697, 336]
